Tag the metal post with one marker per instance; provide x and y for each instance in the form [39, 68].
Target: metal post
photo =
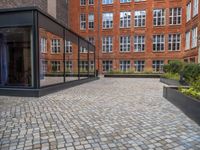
[88, 55]
[64, 48]
[78, 58]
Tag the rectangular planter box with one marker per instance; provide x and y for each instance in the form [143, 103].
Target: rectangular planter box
[132, 75]
[170, 81]
[190, 106]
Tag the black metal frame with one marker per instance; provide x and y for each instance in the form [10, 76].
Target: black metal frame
[31, 16]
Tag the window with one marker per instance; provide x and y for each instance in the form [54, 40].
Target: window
[83, 49]
[188, 15]
[107, 66]
[82, 22]
[194, 37]
[125, 1]
[107, 20]
[187, 40]
[107, 44]
[44, 66]
[68, 66]
[55, 66]
[91, 2]
[158, 65]
[158, 17]
[91, 40]
[83, 66]
[82, 2]
[195, 7]
[55, 46]
[91, 21]
[139, 0]
[68, 46]
[158, 43]
[175, 16]
[125, 44]
[125, 19]
[91, 66]
[139, 43]
[43, 44]
[139, 65]
[107, 1]
[140, 18]
[174, 42]
[125, 65]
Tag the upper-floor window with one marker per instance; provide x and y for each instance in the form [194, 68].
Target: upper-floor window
[187, 40]
[195, 7]
[140, 18]
[174, 42]
[107, 20]
[91, 21]
[158, 17]
[125, 44]
[194, 37]
[83, 49]
[125, 19]
[107, 44]
[125, 1]
[82, 2]
[43, 45]
[91, 2]
[158, 43]
[107, 1]
[91, 40]
[55, 46]
[139, 43]
[175, 16]
[82, 21]
[188, 15]
[68, 46]
[139, 0]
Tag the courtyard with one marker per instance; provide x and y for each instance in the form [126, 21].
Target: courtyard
[110, 113]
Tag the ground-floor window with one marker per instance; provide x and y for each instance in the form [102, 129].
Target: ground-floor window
[139, 65]
[68, 66]
[125, 65]
[157, 65]
[55, 66]
[107, 65]
[84, 66]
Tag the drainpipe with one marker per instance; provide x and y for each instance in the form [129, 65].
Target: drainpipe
[98, 32]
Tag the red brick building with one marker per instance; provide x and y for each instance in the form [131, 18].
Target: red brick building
[137, 35]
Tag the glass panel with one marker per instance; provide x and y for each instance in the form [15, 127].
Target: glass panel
[51, 58]
[16, 57]
[91, 60]
[71, 56]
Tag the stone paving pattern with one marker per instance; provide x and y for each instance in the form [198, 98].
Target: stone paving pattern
[106, 114]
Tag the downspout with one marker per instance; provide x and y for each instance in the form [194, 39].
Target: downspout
[98, 32]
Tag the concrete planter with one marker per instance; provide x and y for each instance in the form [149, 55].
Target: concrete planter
[132, 75]
[190, 106]
[170, 81]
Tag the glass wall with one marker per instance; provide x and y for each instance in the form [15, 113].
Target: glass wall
[16, 57]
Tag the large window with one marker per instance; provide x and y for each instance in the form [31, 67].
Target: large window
[68, 66]
[139, 65]
[55, 66]
[175, 16]
[125, 19]
[158, 43]
[158, 17]
[174, 42]
[68, 46]
[125, 44]
[107, 65]
[91, 21]
[125, 1]
[82, 21]
[16, 57]
[139, 43]
[43, 45]
[125, 65]
[194, 37]
[82, 2]
[195, 7]
[140, 18]
[55, 46]
[188, 15]
[107, 1]
[91, 2]
[158, 65]
[107, 44]
[107, 20]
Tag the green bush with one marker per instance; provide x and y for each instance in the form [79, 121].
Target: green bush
[173, 76]
[173, 67]
[191, 72]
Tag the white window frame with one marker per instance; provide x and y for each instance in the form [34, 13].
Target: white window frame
[107, 20]
[55, 64]
[125, 43]
[140, 18]
[125, 19]
[106, 2]
[174, 42]
[107, 44]
[43, 45]
[195, 7]
[55, 46]
[187, 40]
[82, 21]
[188, 12]
[68, 46]
[159, 20]
[139, 65]
[91, 21]
[107, 65]
[139, 43]
[159, 41]
[175, 16]
[125, 65]
[194, 37]
[157, 66]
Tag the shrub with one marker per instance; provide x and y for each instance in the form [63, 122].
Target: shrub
[166, 68]
[173, 67]
[191, 72]
[172, 76]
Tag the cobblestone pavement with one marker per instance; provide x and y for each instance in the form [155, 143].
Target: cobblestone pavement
[104, 114]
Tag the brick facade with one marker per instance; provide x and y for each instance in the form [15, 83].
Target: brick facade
[149, 30]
